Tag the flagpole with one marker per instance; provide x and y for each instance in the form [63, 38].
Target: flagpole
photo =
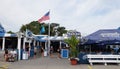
[49, 25]
[49, 29]
[49, 38]
[44, 18]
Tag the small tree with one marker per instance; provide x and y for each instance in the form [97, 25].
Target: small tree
[73, 42]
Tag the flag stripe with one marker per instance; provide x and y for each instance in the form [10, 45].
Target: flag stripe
[44, 18]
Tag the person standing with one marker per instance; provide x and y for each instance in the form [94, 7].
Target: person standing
[6, 54]
[59, 52]
[35, 51]
[51, 51]
[118, 51]
[13, 54]
[42, 51]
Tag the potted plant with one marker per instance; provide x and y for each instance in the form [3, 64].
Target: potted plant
[73, 42]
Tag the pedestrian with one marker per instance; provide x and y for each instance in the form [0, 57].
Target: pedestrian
[51, 51]
[35, 51]
[118, 51]
[42, 51]
[27, 50]
[13, 55]
[59, 52]
[6, 54]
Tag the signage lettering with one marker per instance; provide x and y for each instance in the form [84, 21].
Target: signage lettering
[110, 34]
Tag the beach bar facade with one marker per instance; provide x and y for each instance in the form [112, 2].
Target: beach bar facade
[103, 46]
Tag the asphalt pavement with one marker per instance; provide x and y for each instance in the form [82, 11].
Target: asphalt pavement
[50, 63]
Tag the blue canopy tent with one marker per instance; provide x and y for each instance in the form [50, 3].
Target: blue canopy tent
[103, 38]
[96, 41]
[2, 31]
[110, 42]
[89, 42]
[105, 35]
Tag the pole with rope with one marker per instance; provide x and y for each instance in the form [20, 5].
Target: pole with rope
[44, 18]
[49, 38]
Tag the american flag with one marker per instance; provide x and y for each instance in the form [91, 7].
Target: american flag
[45, 17]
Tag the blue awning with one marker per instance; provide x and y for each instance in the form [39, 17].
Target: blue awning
[2, 31]
[40, 38]
[110, 42]
[2, 34]
[88, 42]
[108, 36]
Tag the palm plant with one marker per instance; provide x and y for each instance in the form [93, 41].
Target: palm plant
[73, 42]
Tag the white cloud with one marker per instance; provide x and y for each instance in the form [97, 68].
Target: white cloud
[86, 16]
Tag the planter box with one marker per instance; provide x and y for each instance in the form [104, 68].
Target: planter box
[73, 61]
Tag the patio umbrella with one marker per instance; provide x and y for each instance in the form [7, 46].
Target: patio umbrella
[110, 42]
[89, 42]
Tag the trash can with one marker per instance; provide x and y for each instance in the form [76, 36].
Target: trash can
[45, 53]
[19, 55]
[21, 52]
[25, 55]
[31, 52]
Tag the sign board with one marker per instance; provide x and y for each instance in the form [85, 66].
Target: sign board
[64, 53]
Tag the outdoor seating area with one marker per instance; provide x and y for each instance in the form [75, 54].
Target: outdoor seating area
[94, 54]
[102, 46]
[60, 34]
[10, 56]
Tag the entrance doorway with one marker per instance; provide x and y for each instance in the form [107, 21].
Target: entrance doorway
[1, 41]
[10, 42]
[55, 45]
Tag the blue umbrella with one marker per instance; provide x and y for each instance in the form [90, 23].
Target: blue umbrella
[110, 42]
[89, 42]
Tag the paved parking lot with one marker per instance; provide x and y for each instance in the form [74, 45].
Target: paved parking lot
[51, 63]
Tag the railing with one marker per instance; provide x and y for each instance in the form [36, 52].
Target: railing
[103, 59]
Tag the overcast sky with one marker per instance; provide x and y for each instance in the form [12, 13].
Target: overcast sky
[85, 16]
